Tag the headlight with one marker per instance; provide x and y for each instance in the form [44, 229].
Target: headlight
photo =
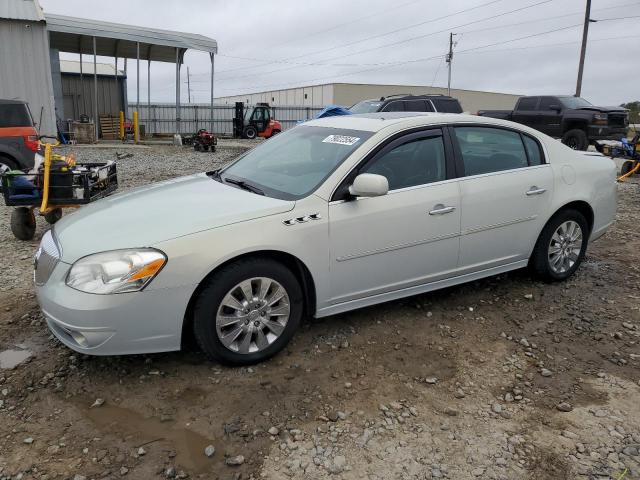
[118, 271]
[600, 118]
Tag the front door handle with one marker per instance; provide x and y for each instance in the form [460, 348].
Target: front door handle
[535, 191]
[440, 209]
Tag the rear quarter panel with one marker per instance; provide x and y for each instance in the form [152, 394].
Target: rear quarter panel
[584, 176]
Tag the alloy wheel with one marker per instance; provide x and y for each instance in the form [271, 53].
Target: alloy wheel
[565, 247]
[252, 315]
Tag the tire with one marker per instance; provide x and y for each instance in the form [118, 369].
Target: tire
[275, 132]
[7, 162]
[250, 132]
[23, 223]
[196, 147]
[53, 216]
[209, 306]
[576, 139]
[543, 260]
[627, 167]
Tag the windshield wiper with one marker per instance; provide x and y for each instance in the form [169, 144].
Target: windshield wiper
[243, 184]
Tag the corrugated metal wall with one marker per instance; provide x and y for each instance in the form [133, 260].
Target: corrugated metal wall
[161, 117]
[347, 94]
[27, 76]
[78, 96]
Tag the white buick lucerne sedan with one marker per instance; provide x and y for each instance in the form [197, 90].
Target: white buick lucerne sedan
[332, 215]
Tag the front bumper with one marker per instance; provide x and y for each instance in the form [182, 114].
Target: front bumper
[606, 133]
[127, 323]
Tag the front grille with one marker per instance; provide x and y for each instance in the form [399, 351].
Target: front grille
[617, 120]
[46, 259]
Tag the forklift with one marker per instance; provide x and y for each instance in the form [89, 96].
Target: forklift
[254, 123]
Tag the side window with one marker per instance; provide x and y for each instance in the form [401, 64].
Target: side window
[534, 151]
[528, 103]
[546, 102]
[415, 106]
[486, 149]
[447, 105]
[395, 106]
[417, 162]
[258, 114]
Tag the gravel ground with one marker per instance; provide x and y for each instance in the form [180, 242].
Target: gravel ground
[504, 378]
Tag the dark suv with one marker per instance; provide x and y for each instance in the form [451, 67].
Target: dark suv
[18, 136]
[409, 103]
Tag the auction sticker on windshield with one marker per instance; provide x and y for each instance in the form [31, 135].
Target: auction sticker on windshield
[341, 139]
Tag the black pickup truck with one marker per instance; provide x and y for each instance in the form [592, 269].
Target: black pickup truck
[577, 122]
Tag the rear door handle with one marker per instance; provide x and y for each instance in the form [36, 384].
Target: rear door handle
[440, 209]
[535, 191]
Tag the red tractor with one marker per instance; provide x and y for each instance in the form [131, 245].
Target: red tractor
[204, 141]
[258, 122]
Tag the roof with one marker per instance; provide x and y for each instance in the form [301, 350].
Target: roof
[72, 66]
[11, 102]
[374, 122]
[21, 10]
[74, 35]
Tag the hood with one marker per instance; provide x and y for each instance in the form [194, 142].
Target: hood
[604, 109]
[161, 211]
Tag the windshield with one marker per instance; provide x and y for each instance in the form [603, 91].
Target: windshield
[366, 106]
[293, 164]
[574, 102]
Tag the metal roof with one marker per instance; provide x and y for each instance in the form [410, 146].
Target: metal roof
[74, 35]
[21, 10]
[72, 66]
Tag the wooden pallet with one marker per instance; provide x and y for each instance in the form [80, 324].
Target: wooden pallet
[109, 127]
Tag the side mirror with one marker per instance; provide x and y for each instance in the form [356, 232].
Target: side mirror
[555, 107]
[369, 185]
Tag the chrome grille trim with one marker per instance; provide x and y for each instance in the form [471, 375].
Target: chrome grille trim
[46, 259]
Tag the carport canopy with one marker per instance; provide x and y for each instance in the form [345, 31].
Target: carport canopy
[94, 37]
[75, 35]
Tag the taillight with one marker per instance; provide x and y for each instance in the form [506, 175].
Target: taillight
[32, 142]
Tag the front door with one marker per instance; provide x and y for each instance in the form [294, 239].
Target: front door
[406, 238]
[505, 196]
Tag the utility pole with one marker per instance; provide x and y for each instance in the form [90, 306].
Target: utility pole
[188, 84]
[449, 59]
[583, 50]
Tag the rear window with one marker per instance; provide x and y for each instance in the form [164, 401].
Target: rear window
[527, 103]
[367, 106]
[15, 115]
[447, 105]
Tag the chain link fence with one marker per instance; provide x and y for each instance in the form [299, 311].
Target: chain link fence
[160, 118]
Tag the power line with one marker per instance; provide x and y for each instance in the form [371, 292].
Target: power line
[391, 32]
[235, 77]
[405, 62]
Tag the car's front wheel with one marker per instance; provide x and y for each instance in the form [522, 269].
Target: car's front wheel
[248, 311]
[561, 246]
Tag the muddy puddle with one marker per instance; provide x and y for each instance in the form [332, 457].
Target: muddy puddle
[10, 359]
[188, 445]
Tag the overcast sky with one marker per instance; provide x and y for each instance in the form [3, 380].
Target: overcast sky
[273, 44]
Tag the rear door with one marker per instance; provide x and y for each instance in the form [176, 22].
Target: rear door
[526, 111]
[505, 195]
[548, 119]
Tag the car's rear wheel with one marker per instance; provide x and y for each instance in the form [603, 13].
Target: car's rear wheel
[7, 164]
[248, 311]
[576, 139]
[561, 246]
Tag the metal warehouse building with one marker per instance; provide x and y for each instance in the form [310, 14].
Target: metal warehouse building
[347, 94]
[31, 70]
